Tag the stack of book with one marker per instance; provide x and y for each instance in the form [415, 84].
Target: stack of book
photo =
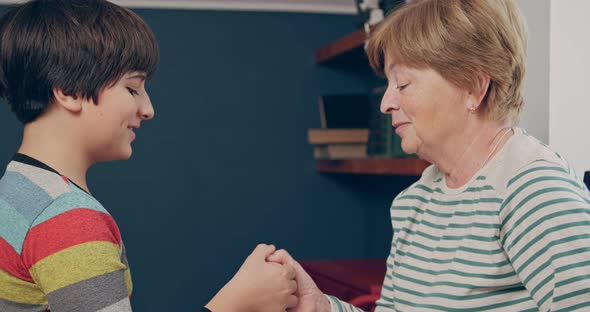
[339, 143]
[352, 126]
[345, 127]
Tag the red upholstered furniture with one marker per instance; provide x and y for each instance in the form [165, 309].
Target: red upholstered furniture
[355, 281]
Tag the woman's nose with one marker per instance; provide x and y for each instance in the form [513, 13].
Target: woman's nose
[390, 101]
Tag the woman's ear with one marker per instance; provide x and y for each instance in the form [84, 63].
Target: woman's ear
[69, 102]
[476, 96]
[483, 85]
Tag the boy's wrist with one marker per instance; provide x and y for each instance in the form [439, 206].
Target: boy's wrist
[219, 305]
[223, 305]
[227, 300]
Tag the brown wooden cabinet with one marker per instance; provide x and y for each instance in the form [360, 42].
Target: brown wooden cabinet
[349, 48]
[377, 166]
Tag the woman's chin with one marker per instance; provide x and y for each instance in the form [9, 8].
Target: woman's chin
[409, 148]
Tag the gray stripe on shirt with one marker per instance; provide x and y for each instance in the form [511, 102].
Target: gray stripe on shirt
[90, 295]
[8, 306]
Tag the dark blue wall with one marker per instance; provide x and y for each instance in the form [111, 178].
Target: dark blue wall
[225, 163]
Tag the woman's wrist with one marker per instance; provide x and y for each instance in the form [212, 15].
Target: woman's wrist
[323, 304]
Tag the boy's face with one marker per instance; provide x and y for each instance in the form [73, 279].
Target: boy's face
[110, 125]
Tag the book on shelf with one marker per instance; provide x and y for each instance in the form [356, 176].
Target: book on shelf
[340, 151]
[344, 110]
[333, 136]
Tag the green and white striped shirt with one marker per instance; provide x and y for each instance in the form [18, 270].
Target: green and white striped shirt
[514, 238]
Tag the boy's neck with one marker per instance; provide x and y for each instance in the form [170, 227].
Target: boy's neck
[58, 150]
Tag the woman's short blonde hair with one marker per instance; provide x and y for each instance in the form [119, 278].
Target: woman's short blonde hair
[460, 39]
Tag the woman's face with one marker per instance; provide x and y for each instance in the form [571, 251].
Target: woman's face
[427, 110]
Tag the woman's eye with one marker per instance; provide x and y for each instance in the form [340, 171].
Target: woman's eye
[402, 87]
[132, 91]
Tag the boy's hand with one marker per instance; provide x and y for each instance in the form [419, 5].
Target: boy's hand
[259, 286]
[311, 298]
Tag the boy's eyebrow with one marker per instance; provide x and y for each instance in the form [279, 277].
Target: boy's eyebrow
[138, 76]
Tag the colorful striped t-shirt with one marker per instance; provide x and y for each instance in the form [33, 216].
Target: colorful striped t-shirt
[60, 249]
[514, 238]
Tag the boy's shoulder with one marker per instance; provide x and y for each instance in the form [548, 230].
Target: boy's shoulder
[30, 195]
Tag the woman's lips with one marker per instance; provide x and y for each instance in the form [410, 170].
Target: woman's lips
[399, 126]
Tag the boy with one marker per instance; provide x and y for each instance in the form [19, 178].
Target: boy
[73, 72]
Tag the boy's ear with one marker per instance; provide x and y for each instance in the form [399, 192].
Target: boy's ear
[70, 103]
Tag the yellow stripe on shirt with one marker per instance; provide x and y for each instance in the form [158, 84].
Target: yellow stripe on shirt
[16, 290]
[75, 264]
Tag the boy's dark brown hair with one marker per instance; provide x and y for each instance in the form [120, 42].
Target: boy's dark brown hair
[77, 46]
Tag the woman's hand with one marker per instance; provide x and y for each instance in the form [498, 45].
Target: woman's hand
[311, 298]
[259, 286]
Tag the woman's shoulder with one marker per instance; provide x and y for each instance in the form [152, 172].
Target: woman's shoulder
[524, 152]
[526, 148]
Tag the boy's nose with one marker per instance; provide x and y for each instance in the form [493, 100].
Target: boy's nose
[146, 109]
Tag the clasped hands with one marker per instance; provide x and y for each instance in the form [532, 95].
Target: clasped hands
[270, 280]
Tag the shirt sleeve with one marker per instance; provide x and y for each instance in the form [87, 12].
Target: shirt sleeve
[337, 305]
[384, 303]
[545, 231]
[76, 256]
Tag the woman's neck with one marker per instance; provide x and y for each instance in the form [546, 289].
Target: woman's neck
[470, 151]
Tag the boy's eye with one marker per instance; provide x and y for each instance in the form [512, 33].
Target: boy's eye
[132, 91]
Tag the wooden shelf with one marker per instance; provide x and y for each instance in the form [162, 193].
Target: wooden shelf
[377, 166]
[349, 48]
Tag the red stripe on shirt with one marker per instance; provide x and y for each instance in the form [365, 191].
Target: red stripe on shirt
[68, 229]
[11, 263]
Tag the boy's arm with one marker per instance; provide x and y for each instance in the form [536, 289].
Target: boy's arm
[76, 257]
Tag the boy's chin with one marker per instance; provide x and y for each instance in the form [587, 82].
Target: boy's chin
[127, 155]
[120, 155]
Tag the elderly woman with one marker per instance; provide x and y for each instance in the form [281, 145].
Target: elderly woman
[499, 222]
